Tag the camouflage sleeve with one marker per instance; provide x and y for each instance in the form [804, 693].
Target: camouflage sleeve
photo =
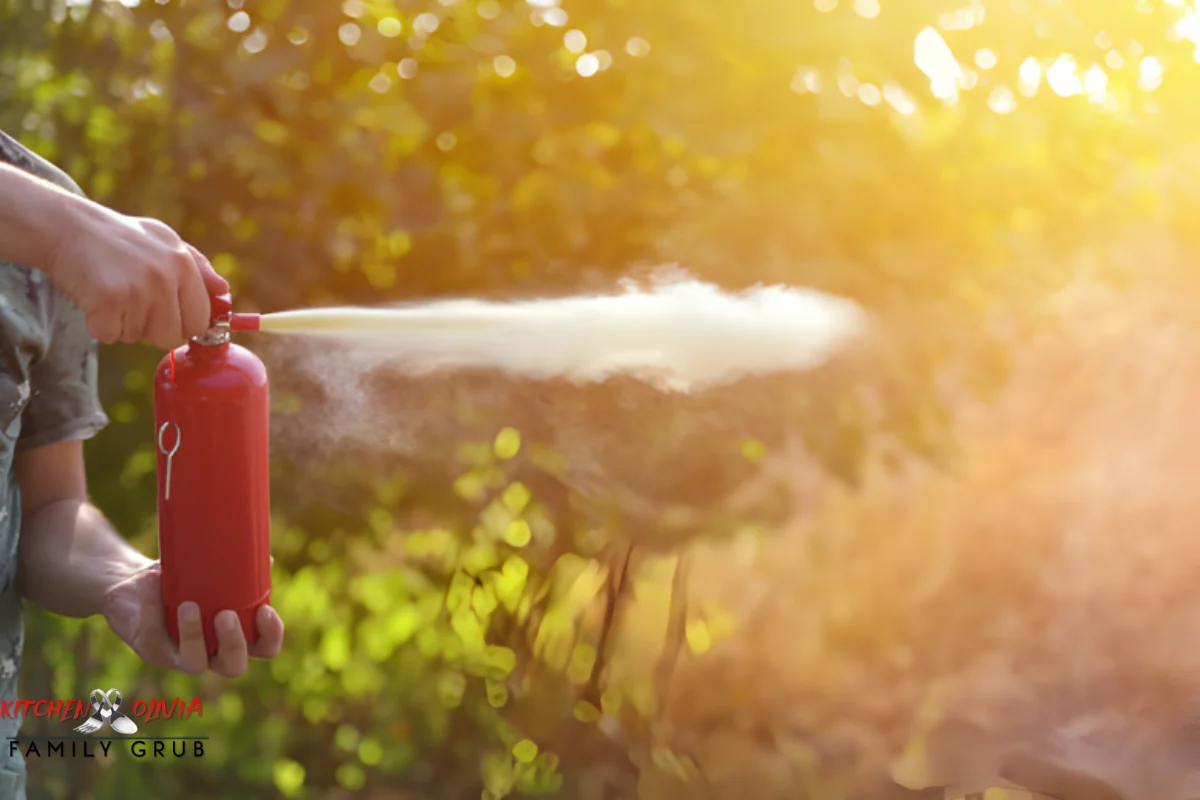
[64, 403]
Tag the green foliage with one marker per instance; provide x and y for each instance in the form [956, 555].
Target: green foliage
[393, 149]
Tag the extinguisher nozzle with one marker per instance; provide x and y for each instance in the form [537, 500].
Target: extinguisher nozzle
[244, 322]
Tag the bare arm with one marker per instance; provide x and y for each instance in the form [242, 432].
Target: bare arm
[70, 557]
[134, 278]
[72, 563]
[34, 213]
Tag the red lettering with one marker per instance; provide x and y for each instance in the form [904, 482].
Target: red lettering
[81, 708]
[139, 707]
[171, 711]
[25, 704]
[157, 707]
[197, 707]
[37, 706]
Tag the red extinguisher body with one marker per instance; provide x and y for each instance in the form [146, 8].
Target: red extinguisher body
[214, 516]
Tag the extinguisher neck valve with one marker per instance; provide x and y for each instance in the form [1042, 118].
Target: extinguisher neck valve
[217, 334]
[219, 321]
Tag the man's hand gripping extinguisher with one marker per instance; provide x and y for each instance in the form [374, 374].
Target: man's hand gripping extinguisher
[211, 417]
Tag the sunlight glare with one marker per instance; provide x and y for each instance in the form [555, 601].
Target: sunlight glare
[1002, 100]
[964, 18]
[426, 24]
[1150, 74]
[933, 57]
[1063, 77]
[806, 79]
[637, 46]
[1189, 28]
[587, 65]
[504, 66]
[848, 84]
[985, 59]
[389, 27]
[255, 42]
[1030, 76]
[349, 34]
[1095, 84]
[867, 9]
[380, 83]
[870, 95]
[575, 41]
[239, 22]
[899, 99]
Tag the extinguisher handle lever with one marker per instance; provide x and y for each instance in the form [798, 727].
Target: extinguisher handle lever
[222, 308]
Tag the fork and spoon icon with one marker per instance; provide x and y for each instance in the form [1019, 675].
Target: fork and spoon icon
[104, 707]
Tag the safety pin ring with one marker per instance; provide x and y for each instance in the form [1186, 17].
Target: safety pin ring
[178, 438]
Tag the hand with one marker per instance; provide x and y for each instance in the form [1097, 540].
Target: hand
[134, 279]
[134, 611]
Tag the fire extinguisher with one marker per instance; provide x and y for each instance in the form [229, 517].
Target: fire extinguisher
[211, 417]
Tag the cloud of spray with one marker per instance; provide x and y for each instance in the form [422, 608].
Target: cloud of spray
[680, 335]
[394, 380]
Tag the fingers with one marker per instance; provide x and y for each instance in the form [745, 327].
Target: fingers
[233, 653]
[164, 329]
[214, 284]
[194, 305]
[137, 280]
[192, 656]
[231, 658]
[104, 325]
[133, 313]
[270, 634]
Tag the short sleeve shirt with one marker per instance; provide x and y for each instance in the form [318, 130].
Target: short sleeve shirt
[48, 394]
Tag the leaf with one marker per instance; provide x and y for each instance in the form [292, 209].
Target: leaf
[753, 450]
[370, 752]
[335, 647]
[516, 497]
[518, 533]
[525, 751]
[497, 693]
[699, 638]
[501, 659]
[586, 712]
[289, 777]
[507, 443]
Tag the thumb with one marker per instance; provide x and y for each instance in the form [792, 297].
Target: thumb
[214, 283]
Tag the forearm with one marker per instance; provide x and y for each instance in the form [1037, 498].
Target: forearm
[70, 557]
[34, 215]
